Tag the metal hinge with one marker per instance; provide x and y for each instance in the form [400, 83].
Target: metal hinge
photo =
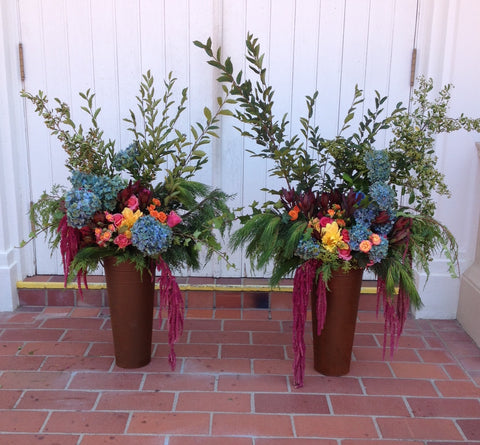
[412, 67]
[22, 65]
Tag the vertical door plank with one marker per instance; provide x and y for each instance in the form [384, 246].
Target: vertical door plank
[105, 68]
[202, 93]
[152, 39]
[329, 69]
[280, 67]
[38, 137]
[258, 16]
[232, 145]
[127, 38]
[354, 55]
[305, 58]
[401, 55]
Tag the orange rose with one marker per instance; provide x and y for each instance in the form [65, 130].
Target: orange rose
[375, 239]
[365, 246]
[294, 213]
[161, 216]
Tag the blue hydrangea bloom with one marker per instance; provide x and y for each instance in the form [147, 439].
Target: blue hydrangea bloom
[105, 187]
[378, 253]
[81, 206]
[383, 195]
[308, 249]
[127, 159]
[383, 229]
[359, 232]
[150, 236]
[365, 215]
[378, 165]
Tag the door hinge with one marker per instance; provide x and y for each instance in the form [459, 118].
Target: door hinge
[22, 65]
[412, 67]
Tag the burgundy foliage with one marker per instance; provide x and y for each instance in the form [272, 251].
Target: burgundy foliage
[314, 204]
[143, 194]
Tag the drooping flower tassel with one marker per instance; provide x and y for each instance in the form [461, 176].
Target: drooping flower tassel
[171, 299]
[403, 306]
[69, 246]
[69, 242]
[81, 276]
[303, 283]
[395, 312]
[381, 290]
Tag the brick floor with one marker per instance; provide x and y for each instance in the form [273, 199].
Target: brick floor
[233, 383]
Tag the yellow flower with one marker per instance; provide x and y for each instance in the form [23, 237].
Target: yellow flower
[331, 236]
[130, 217]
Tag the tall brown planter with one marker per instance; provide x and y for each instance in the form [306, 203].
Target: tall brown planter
[332, 350]
[130, 298]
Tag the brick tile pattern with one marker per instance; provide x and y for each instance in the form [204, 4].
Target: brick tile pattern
[233, 381]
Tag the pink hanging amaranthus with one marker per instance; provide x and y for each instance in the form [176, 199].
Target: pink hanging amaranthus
[171, 299]
[395, 311]
[395, 308]
[303, 285]
[70, 239]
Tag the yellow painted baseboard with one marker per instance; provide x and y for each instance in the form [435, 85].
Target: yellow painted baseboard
[184, 287]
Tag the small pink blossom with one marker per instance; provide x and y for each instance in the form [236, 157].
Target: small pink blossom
[324, 220]
[345, 235]
[345, 254]
[173, 219]
[98, 234]
[122, 241]
[132, 203]
[117, 219]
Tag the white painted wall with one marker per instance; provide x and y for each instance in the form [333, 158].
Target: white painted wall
[329, 45]
[14, 188]
[449, 42]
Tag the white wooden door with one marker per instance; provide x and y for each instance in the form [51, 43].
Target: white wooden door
[105, 45]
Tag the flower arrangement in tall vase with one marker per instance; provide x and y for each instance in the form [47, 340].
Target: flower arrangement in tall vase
[139, 205]
[348, 203]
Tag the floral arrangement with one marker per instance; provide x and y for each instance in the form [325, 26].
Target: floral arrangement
[347, 203]
[117, 206]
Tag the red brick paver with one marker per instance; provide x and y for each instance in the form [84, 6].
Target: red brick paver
[233, 381]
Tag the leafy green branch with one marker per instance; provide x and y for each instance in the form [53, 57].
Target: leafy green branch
[255, 109]
[86, 150]
[337, 162]
[412, 147]
[45, 215]
[157, 138]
